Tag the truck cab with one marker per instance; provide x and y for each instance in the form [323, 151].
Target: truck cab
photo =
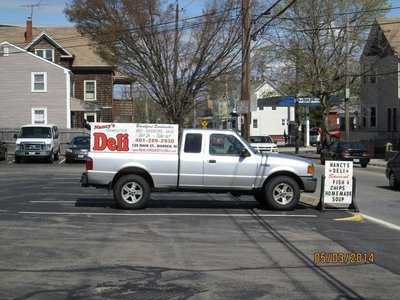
[207, 161]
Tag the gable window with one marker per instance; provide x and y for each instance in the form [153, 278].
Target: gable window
[89, 90]
[45, 53]
[39, 82]
[39, 115]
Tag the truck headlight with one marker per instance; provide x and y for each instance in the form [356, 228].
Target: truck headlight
[68, 150]
[310, 169]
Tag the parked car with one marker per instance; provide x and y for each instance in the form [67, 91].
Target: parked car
[37, 141]
[134, 164]
[393, 171]
[3, 151]
[345, 150]
[263, 144]
[78, 149]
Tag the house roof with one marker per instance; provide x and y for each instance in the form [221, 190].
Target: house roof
[391, 29]
[67, 37]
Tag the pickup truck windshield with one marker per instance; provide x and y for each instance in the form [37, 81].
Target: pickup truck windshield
[35, 132]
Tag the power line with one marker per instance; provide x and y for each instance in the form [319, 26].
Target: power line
[254, 35]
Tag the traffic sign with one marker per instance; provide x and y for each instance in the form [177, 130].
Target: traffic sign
[204, 124]
[308, 101]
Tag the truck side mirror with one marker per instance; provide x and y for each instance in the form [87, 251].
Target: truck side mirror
[15, 136]
[244, 153]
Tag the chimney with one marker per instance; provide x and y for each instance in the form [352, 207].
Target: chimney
[28, 32]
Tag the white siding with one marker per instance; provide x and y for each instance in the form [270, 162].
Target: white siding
[16, 97]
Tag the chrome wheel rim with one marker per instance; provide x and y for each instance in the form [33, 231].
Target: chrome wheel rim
[283, 193]
[132, 192]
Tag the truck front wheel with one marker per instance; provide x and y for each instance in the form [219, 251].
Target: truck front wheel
[282, 193]
[131, 192]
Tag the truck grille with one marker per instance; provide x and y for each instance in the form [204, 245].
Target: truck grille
[32, 146]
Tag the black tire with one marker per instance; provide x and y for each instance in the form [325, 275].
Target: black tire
[393, 182]
[67, 161]
[50, 159]
[287, 185]
[17, 160]
[364, 165]
[135, 181]
[322, 160]
[57, 156]
[261, 197]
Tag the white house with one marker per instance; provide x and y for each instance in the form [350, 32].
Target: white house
[272, 113]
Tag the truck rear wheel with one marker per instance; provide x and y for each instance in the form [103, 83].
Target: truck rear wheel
[261, 198]
[131, 192]
[282, 193]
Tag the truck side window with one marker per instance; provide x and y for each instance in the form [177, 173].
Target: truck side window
[193, 143]
[224, 144]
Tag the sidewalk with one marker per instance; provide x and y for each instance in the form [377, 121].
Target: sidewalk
[311, 153]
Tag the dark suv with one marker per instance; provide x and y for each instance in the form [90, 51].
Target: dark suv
[393, 171]
[343, 150]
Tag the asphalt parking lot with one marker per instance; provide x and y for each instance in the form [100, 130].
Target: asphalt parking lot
[61, 241]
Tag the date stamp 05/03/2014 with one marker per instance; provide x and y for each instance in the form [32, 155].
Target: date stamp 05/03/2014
[355, 257]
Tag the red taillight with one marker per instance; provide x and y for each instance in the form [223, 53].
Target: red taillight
[89, 164]
[365, 154]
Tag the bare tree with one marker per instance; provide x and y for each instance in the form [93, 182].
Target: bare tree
[172, 59]
[314, 40]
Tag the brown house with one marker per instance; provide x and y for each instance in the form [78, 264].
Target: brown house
[92, 78]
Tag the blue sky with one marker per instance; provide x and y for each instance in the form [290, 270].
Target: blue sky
[51, 12]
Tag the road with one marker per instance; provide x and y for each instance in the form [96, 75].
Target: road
[61, 241]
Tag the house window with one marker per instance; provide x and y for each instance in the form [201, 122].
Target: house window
[90, 117]
[122, 92]
[6, 51]
[39, 115]
[39, 82]
[45, 53]
[372, 120]
[394, 119]
[389, 119]
[89, 90]
[283, 122]
[255, 123]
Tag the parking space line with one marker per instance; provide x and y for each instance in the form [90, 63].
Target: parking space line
[67, 201]
[162, 214]
[61, 161]
[381, 222]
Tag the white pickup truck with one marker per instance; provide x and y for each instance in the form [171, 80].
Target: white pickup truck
[137, 159]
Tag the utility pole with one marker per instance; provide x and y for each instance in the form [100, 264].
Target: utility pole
[296, 110]
[245, 82]
[176, 57]
[347, 89]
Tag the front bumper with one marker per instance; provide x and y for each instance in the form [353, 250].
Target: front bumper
[77, 156]
[23, 153]
[309, 183]
[357, 159]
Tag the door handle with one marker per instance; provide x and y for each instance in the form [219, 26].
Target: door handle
[212, 161]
